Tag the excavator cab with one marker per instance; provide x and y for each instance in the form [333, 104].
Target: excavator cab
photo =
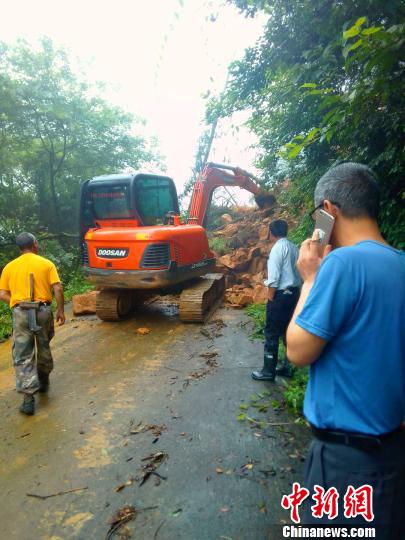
[142, 198]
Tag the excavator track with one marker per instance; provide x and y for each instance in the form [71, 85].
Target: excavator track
[200, 300]
[114, 304]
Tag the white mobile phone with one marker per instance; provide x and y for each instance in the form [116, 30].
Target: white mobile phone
[324, 223]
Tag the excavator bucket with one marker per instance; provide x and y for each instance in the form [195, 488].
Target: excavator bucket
[249, 182]
[265, 200]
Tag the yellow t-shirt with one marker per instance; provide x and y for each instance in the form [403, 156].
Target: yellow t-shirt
[15, 278]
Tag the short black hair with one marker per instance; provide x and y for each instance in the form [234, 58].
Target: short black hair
[352, 187]
[279, 228]
[25, 240]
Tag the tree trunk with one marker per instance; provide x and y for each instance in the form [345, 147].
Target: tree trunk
[56, 211]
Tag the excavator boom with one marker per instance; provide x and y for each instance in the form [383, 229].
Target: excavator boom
[216, 175]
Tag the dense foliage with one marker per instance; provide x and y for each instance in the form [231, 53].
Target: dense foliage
[324, 84]
[55, 132]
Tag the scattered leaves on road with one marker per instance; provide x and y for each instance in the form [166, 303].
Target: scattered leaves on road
[156, 457]
[122, 486]
[213, 329]
[263, 508]
[209, 354]
[141, 428]
[211, 363]
[297, 455]
[268, 472]
[155, 460]
[121, 516]
[210, 358]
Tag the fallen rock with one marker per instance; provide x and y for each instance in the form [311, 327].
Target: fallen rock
[143, 331]
[258, 278]
[228, 231]
[226, 218]
[254, 252]
[263, 232]
[84, 304]
[257, 265]
[260, 294]
[246, 279]
[239, 296]
[238, 260]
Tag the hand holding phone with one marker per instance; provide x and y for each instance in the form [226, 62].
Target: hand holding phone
[311, 255]
[324, 225]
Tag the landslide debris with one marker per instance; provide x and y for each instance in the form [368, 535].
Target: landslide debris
[245, 266]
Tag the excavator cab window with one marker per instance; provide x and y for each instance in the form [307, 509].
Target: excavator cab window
[110, 202]
[154, 199]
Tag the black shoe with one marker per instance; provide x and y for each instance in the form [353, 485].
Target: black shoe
[263, 376]
[268, 371]
[285, 369]
[43, 379]
[28, 405]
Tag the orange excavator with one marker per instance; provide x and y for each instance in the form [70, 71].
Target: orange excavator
[133, 242]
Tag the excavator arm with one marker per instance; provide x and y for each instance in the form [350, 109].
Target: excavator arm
[216, 175]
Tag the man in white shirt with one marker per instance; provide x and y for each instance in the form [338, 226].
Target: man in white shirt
[283, 281]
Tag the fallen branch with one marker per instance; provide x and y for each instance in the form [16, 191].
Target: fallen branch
[158, 529]
[262, 423]
[173, 369]
[279, 423]
[159, 476]
[40, 238]
[55, 494]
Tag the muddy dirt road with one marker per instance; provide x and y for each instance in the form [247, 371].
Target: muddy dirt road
[219, 478]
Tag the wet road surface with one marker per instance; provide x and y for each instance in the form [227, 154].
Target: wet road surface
[223, 479]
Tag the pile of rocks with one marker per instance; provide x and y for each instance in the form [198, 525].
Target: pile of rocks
[245, 267]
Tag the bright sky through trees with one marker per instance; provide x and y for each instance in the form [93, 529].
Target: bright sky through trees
[158, 58]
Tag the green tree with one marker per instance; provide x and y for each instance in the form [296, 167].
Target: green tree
[55, 132]
[301, 77]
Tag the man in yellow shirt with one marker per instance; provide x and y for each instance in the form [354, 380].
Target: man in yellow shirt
[32, 355]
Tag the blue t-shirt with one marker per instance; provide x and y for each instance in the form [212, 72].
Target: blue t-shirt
[357, 304]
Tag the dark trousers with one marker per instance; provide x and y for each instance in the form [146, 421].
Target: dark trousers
[278, 315]
[338, 465]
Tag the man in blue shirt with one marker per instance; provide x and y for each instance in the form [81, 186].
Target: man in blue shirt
[283, 283]
[349, 327]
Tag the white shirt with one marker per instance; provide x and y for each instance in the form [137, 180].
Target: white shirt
[281, 265]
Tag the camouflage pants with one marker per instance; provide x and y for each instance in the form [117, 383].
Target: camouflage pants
[31, 352]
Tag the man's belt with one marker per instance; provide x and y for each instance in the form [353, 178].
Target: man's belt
[361, 441]
[23, 304]
[289, 290]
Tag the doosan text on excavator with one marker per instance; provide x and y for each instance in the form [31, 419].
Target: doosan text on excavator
[133, 242]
